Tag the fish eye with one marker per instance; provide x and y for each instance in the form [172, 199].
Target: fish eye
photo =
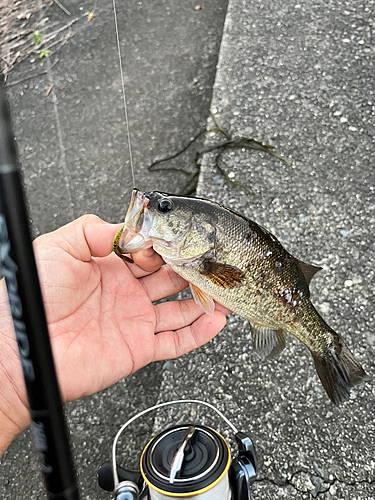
[165, 205]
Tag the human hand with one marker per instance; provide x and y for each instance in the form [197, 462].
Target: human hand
[102, 321]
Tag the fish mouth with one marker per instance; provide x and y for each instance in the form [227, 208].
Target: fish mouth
[138, 222]
[136, 205]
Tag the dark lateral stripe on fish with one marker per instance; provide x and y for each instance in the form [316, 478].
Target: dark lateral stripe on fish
[222, 274]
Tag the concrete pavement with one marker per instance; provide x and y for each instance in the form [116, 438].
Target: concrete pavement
[298, 76]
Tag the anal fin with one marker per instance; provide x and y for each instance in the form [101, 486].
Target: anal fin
[267, 343]
[204, 300]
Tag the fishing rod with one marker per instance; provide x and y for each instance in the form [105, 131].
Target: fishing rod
[29, 320]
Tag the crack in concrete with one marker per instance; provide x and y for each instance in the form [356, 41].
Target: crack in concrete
[336, 480]
[230, 143]
[318, 488]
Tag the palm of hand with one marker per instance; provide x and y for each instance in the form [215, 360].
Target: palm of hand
[101, 315]
[101, 320]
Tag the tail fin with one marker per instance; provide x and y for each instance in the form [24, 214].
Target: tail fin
[338, 371]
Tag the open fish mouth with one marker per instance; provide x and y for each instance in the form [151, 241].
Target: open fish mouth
[138, 222]
[137, 204]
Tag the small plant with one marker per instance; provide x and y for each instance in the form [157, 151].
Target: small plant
[37, 38]
[44, 53]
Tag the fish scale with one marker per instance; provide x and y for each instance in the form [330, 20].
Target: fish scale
[232, 260]
[254, 298]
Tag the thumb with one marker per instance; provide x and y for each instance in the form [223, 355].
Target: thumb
[86, 237]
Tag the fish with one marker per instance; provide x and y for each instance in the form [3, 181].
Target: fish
[230, 259]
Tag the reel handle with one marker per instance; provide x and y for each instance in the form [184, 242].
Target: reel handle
[105, 476]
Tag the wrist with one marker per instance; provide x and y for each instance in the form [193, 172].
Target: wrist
[14, 414]
[8, 432]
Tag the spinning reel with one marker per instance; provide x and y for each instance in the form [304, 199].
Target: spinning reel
[183, 461]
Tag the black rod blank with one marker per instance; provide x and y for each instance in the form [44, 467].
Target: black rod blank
[26, 304]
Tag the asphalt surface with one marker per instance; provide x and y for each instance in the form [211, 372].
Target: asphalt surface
[298, 76]
[74, 155]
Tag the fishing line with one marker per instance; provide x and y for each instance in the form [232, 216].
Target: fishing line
[123, 92]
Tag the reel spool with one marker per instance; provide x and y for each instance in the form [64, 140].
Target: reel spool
[201, 472]
[185, 461]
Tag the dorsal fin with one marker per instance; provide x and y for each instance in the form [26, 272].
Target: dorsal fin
[308, 270]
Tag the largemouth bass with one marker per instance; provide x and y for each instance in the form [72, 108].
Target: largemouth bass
[230, 259]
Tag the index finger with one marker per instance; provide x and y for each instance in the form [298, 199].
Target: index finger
[148, 260]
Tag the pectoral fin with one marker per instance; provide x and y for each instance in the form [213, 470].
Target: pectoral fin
[222, 274]
[201, 298]
[267, 343]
